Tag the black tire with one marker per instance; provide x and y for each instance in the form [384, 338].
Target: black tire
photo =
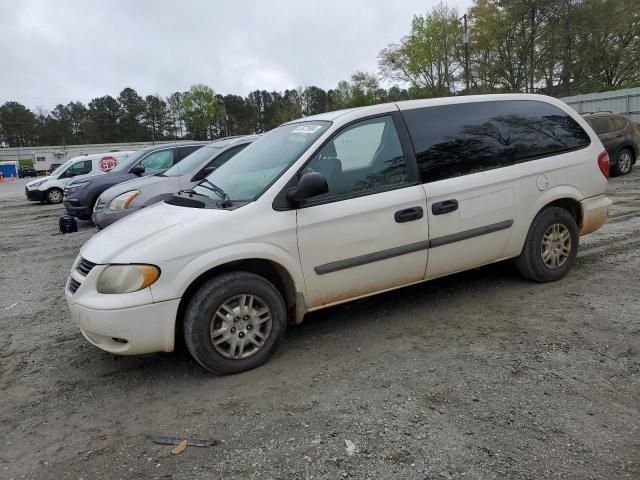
[201, 312]
[624, 163]
[54, 195]
[530, 263]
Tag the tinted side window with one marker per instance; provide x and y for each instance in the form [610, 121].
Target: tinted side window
[461, 139]
[184, 151]
[80, 168]
[363, 158]
[619, 123]
[158, 160]
[602, 125]
[224, 156]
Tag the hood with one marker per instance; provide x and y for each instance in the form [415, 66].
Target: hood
[129, 239]
[134, 184]
[108, 179]
[39, 179]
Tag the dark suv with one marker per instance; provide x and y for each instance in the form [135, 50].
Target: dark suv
[620, 138]
[80, 195]
[25, 172]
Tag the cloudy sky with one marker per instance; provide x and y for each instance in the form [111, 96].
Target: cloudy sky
[57, 51]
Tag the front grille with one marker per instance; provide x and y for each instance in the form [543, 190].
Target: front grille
[84, 266]
[73, 285]
[99, 205]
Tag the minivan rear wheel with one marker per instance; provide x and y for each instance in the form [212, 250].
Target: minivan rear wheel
[551, 246]
[234, 322]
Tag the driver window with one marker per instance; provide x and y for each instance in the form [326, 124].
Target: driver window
[364, 158]
[158, 161]
[78, 168]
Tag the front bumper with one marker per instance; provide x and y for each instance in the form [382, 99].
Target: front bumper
[126, 324]
[34, 195]
[129, 331]
[105, 217]
[76, 209]
[595, 211]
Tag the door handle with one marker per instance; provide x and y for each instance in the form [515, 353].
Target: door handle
[445, 206]
[619, 135]
[408, 214]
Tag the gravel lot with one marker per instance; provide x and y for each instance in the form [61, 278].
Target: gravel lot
[477, 375]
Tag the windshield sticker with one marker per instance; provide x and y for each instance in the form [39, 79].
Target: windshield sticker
[307, 129]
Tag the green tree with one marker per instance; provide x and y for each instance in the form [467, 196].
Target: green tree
[202, 110]
[314, 101]
[132, 110]
[609, 47]
[103, 116]
[17, 124]
[175, 104]
[156, 117]
[427, 58]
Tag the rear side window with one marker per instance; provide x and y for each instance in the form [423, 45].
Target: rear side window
[619, 123]
[226, 155]
[602, 125]
[461, 139]
[184, 151]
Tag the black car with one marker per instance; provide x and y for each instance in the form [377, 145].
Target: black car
[620, 138]
[27, 172]
[80, 195]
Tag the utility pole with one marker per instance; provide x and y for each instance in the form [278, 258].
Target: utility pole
[465, 41]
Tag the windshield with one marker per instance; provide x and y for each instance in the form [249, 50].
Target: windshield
[191, 162]
[127, 162]
[251, 171]
[62, 167]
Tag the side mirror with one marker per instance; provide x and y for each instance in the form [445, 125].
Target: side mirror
[137, 170]
[310, 185]
[202, 174]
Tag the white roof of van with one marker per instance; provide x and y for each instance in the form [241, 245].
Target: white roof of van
[427, 102]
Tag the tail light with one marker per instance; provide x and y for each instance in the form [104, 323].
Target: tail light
[603, 163]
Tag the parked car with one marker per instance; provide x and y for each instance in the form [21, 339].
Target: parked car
[25, 172]
[125, 198]
[80, 197]
[50, 189]
[619, 136]
[339, 206]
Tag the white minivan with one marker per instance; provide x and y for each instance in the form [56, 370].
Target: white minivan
[50, 188]
[339, 206]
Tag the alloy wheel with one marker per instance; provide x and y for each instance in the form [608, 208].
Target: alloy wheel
[241, 326]
[556, 246]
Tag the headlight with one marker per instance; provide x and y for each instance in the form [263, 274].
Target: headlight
[37, 184]
[122, 201]
[127, 278]
[74, 187]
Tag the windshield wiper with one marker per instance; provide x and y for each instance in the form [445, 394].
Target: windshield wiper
[192, 192]
[226, 201]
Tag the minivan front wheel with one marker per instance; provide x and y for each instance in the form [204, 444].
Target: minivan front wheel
[234, 322]
[551, 246]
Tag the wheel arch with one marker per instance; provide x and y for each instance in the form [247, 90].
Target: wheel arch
[272, 271]
[566, 197]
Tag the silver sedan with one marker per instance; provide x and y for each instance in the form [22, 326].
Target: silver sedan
[125, 198]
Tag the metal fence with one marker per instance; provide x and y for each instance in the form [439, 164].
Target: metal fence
[625, 101]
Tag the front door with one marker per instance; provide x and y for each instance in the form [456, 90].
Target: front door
[369, 233]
